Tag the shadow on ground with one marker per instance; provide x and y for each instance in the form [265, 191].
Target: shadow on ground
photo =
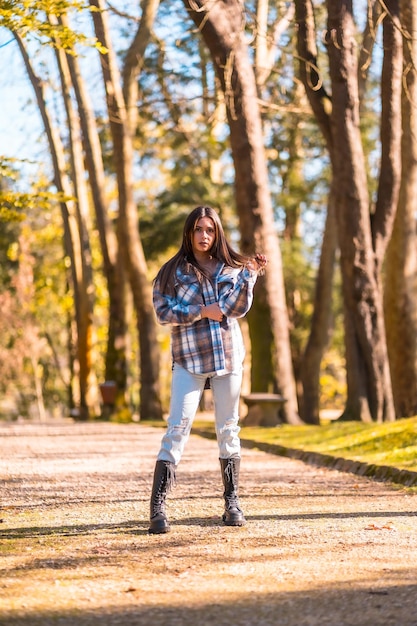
[360, 604]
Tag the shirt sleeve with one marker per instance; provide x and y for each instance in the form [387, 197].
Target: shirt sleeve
[236, 292]
[170, 310]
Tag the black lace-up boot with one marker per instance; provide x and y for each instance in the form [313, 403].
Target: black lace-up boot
[232, 516]
[163, 480]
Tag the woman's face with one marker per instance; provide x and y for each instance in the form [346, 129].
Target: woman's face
[204, 236]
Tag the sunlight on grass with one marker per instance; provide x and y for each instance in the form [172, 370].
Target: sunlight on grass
[392, 444]
[383, 444]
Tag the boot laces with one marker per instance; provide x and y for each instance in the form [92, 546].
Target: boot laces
[232, 501]
[166, 483]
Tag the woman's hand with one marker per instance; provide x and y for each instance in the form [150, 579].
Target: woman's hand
[212, 312]
[258, 263]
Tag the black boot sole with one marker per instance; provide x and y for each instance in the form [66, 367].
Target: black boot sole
[159, 525]
[158, 530]
[233, 522]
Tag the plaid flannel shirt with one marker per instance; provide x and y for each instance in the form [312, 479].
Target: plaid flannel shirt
[205, 346]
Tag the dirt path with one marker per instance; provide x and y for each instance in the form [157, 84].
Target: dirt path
[320, 547]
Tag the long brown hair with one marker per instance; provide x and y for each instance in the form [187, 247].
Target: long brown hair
[221, 250]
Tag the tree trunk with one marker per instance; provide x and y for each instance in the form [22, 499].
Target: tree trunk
[369, 384]
[88, 378]
[322, 314]
[116, 356]
[222, 28]
[362, 243]
[128, 227]
[265, 46]
[368, 44]
[72, 238]
[401, 262]
[321, 321]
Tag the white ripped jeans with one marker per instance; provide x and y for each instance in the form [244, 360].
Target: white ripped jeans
[186, 390]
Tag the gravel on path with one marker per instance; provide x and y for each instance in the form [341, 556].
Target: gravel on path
[320, 547]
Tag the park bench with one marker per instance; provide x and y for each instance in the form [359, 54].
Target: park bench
[263, 409]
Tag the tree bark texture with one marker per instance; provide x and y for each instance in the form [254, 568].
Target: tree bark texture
[114, 272]
[128, 227]
[321, 321]
[321, 325]
[362, 240]
[76, 158]
[401, 262]
[221, 25]
[369, 384]
[72, 243]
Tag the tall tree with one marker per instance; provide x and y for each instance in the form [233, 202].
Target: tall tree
[321, 319]
[401, 262]
[79, 183]
[73, 239]
[321, 324]
[116, 357]
[128, 227]
[222, 27]
[362, 237]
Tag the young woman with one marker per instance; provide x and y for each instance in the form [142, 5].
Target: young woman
[201, 292]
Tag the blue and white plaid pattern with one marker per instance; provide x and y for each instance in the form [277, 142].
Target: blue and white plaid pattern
[205, 346]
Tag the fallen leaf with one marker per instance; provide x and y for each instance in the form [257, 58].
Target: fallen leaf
[388, 526]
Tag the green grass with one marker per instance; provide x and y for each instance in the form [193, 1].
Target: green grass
[393, 443]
